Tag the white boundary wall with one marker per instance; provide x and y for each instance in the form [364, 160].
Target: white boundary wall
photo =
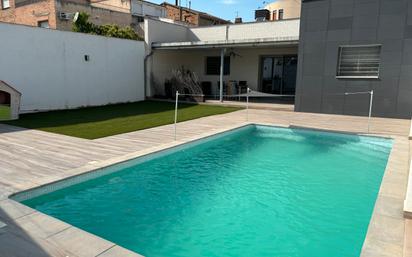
[162, 32]
[49, 69]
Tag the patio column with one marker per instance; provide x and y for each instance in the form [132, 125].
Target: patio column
[222, 64]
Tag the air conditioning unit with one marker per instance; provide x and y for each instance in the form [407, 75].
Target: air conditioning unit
[65, 16]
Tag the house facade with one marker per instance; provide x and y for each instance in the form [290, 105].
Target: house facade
[261, 55]
[284, 9]
[355, 46]
[190, 16]
[58, 14]
[142, 9]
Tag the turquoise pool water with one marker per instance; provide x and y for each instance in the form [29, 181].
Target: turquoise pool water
[257, 191]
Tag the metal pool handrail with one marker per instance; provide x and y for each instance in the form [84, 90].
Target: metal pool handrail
[198, 95]
[370, 104]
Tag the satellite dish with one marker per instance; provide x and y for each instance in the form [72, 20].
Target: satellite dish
[76, 16]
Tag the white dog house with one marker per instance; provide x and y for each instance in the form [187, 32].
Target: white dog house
[10, 97]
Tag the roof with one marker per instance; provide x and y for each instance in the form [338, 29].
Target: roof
[10, 88]
[263, 42]
[196, 12]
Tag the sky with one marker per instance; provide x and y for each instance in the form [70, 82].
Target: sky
[226, 9]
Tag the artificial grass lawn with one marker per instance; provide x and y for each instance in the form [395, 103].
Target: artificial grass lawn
[4, 112]
[97, 122]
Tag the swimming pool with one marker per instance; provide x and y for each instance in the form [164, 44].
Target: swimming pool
[255, 191]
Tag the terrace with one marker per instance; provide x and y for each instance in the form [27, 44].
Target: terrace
[44, 150]
[26, 167]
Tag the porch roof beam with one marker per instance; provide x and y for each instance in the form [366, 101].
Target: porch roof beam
[223, 44]
[222, 68]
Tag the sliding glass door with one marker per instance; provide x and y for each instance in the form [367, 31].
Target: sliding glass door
[278, 74]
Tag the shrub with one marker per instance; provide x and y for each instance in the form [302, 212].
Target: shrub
[82, 24]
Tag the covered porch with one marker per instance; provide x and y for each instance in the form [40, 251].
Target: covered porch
[258, 56]
[267, 67]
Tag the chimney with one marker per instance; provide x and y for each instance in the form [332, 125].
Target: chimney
[238, 20]
[180, 10]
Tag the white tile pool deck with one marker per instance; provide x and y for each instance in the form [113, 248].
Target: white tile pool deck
[31, 158]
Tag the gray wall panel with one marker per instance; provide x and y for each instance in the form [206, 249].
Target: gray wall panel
[331, 23]
[341, 10]
[391, 26]
[405, 89]
[312, 94]
[357, 104]
[364, 34]
[339, 35]
[407, 52]
[386, 93]
[333, 95]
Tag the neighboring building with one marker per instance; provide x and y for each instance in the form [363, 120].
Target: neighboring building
[261, 55]
[355, 46]
[262, 15]
[284, 9]
[40, 13]
[58, 14]
[114, 5]
[190, 16]
[142, 9]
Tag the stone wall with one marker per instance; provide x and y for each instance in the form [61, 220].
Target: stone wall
[173, 13]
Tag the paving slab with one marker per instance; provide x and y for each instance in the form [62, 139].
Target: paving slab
[41, 225]
[10, 209]
[408, 238]
[117, 251]
[79, 242]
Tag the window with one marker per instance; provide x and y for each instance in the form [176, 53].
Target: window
[280, 14]
[359, 61]
[140, 19]
[43, 24]
[274, 15]
[213, 65]
[5, 4]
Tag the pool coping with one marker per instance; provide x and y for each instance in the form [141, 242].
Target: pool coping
[407, 209]
[373, 241]
[410, 131]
